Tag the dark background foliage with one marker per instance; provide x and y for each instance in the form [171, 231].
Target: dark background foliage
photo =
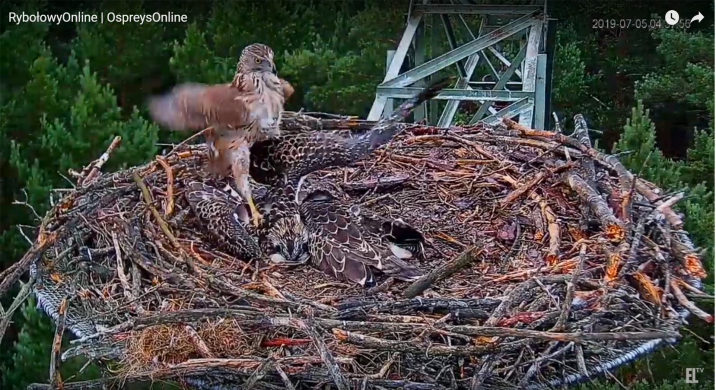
[67, 89]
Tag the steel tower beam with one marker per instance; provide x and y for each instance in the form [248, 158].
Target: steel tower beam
[502, 65]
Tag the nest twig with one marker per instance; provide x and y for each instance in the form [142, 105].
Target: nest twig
[550, 300]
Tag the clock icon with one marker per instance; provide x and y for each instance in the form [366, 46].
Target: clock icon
[672, 17]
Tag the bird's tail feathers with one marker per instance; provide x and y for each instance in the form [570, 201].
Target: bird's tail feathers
[386, 128]
[401, 270]
[358, 272]
[423, 96]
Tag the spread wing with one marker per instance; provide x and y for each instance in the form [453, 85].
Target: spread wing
[225, 219]
[195, 106]
[293, 155]
[342, 247]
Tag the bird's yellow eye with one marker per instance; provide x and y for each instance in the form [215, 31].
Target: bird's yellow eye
[257, 60]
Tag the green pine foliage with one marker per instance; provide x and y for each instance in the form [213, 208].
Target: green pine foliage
[570, 90]
[69, 89]
[66, 117]
[128, 70]
[30, 361]
[56, 115]
[687, 78]
[639, 141]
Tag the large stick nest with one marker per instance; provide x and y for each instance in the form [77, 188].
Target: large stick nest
[550, 263]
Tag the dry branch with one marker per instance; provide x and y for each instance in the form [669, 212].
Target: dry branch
[97, 165]
[613, 227]
[451, 267]
[152, 292]
[612, 162]
[690, 305]
[55, 377]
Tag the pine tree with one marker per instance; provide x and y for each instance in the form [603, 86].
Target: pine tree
[687, 77]
[571, 81]
[59, 117]
[639, 140]
[74, 127]
[30, 355]
[138, 52]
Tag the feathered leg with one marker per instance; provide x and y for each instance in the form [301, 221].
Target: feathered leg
[240, 169]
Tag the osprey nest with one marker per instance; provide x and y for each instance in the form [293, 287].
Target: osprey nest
[545, 262]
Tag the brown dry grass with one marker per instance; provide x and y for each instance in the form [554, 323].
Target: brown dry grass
[172, 344]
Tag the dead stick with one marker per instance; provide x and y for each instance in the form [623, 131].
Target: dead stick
[612, 225]
[581, 133]
[518, 291]
[625, 177]
[169, 208]
[252, 315]
[331, 365]
[519, 191]
[259, 373]
[101, 161]
[43, 241]
[255, 362]
[454, 138]
[120, 267]
[552, 225]
[690, 306]
[201, 369]
[19, 299]
[55, 377]
[176, 148]
[538, 362]
[284, 377]
[567, 304]
[446, 270]
[552, 228]
[693, 289]
[383, 287]
[421, 348]
[416, 161]
[486, 369]
[11, 275]
[199, 343]
[580, 360]
[149, 201]
[688, 257]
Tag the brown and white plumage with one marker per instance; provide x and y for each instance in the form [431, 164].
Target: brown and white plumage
[284, 160]
[226, 220]
[344, 245]
[235, 115]
[349, 243]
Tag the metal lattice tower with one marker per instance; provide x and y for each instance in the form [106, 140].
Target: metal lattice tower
[519, 86]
